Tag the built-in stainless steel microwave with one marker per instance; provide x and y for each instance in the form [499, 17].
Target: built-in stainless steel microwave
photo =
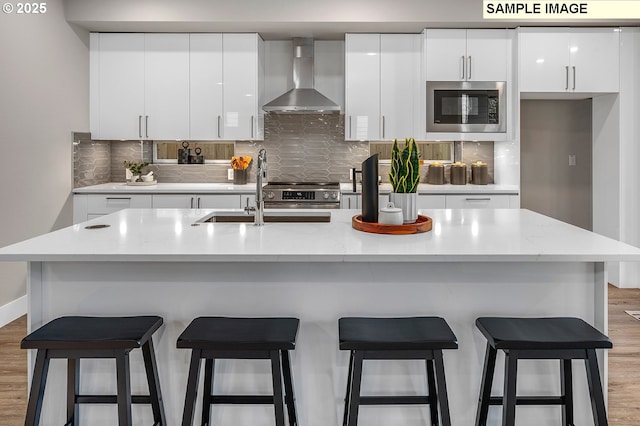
[466, 106]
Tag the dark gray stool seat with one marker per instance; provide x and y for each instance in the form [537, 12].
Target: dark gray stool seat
[74, 338]
[562, 338]
[212, 338]
[397, 339]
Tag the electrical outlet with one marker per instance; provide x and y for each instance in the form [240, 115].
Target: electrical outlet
[350, 175]
[229, 174]
[572, 160]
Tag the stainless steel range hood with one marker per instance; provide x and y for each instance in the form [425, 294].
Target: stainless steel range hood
[303, 98]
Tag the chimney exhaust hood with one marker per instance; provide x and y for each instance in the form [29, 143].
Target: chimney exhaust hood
[303, 98]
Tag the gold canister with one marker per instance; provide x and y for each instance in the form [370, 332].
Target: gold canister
[458, 174]
[435, 173]
[479, 173]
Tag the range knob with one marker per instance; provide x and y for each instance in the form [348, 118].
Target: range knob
[325, 195]
[270, 194]
[334, 195]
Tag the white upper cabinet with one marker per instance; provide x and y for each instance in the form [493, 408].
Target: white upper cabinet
[205, 86]
[176, 86]
[381, 85]
[362, 87]
[117, 86]
[569, 60]
[466, 55]
[242, 72]
[166, 93]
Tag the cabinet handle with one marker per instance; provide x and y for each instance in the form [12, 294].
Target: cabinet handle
[146, 125]
[462, 67]
[140, 126]
[252, 119]
[118, 198]
[349, 127]
[566, 78]
[478, 199]
[574, 77]
[218, 126]
[198, 205]
[469, 68]
[191, 206]
[383, 127]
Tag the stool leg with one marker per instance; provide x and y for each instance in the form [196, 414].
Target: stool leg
[276, 375]
[73, 389]
[34, 407]
[509, 396]
[347, 397]
[433, 395]
[209, 366]
[153, 381]
[566, 389]
[192, 388]
[595, 389]
[289, 395]
[124, 389]
[485, 387]
[443, 399]
[354, 400]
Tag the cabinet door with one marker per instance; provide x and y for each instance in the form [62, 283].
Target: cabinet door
[118, 93]
[486, 55]
[240, 92]
[109, 203]
[174, 201]
[431, 201]
[362, 86]
[350, 201]
[446, 54]
[543, 60]
[399, 84]
[166, 86]
[595, 58]
[477, 201]
[218, 201]
[205, 86]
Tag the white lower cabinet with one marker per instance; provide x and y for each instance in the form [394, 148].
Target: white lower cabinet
[91, 206]
[202, 201]
[431, 201]
[354, 201]
[480, 201]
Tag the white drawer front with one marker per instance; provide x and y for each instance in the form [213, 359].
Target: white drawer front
[109, 203]
[477, 201]
[431, 201]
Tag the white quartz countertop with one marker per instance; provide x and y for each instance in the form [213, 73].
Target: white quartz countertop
[167, 235]
[204, 188]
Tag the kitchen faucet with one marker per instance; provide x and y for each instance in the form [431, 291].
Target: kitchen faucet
[261, 174]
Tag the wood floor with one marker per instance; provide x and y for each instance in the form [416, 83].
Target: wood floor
[624, 364]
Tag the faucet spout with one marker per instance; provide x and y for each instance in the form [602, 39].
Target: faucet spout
[261, 174]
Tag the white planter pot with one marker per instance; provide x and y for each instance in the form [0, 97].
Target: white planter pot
[408, 202]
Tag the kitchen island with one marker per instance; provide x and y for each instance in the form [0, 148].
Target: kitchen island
[502, 262]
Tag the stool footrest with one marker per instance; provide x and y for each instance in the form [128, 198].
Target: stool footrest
[241, 399]
[395, 400]
[531, 400]
[110, 399]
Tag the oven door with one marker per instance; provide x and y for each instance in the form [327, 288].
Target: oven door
[466, 107]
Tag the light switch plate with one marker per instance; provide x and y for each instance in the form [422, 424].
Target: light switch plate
[229, 174]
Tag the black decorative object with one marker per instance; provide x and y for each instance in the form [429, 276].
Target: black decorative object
[370, 189]
[196, 159]
[184, 153]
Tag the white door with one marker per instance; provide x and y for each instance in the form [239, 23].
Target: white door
[166, 86]
[362, 86]
[595, 57]
[240, 88]
[544, 60]
[446, 54]
[486, 55]
[399, 84]
[120, 87]
[205, 87]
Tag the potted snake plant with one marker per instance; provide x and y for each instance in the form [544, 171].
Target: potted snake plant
[405, 177]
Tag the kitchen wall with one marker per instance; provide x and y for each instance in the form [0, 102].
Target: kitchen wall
[44, 95]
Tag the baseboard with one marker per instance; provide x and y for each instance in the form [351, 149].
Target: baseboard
[13, 310]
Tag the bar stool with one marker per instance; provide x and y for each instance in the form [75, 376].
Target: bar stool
[75, 338]
[397, 339]
[212, 338]
[563, 339]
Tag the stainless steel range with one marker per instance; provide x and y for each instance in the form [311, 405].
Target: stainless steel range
[301, 195]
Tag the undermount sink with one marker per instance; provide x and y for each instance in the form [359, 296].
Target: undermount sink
[269, 217]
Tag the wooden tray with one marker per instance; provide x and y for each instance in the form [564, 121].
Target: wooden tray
[423, 224]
